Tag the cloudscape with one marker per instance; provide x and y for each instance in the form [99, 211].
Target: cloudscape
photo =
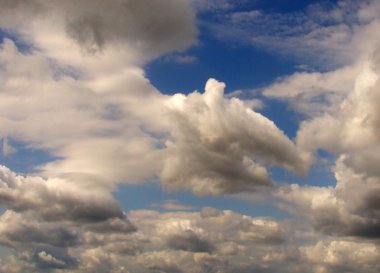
[189, 136]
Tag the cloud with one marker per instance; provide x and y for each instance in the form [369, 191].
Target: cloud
[347, 127]
[18, 229]
[147, 27]
[349, 209]
[181, 59]
[351, 128]
[56, 199]
[207, 241]
[313, 93]
[84, 84]
[6, 149]
[172, 205]
[323, 34]
[189, 241]
[338, 256]
[220, 146]
[79, 92]
[50, 258]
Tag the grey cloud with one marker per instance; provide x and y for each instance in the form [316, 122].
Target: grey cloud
[189, 241]
[113, 225]
[341, 256]
[21, 229]
[56, 199]
[53, 258]
[210, 212]
[350, 209]
[149, 27]
[241, 244]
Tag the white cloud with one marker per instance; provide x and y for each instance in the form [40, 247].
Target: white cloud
[6, 149]
[220, 146]
[338, 256]
[172, 205]
[313, 93]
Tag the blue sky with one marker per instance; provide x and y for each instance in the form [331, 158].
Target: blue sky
[189, 136]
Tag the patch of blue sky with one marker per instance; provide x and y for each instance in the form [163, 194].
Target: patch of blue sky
[25, 159]
[282, 115]
[241, 66]
[320, 174]
[21, 44]
[284, 6]
[148, 195]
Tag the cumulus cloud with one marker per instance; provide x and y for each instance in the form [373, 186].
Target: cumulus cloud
[56, 199]
[220, 146]
[350, 129]
[207, 241]
[340, 256]
[102, 91]
[349, 209]
[79, 92]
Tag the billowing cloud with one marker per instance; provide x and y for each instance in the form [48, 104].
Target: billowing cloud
[221, 146]
[341, 256]
[56, 199]
[350, 209]
[79, 92]
[207, 241]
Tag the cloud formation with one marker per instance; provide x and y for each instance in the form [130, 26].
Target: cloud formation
[221, 146]
[80, 93]
[206, 241]
[152, 28]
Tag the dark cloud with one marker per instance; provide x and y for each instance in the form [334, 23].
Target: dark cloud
[350, 209]
[113, 225]
[189, 241]
[56, 199]
[20, 229]
[149, 27]
[53, 258]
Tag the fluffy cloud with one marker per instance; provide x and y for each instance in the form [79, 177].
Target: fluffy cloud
[221, 146]
[342, 105]
[338, 256]
[207, 241]
[56, 198]
[79, 92]
[106, 111]
[351, 128]
[349, 209]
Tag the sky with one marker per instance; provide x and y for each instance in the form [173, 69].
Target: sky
[194, 136]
